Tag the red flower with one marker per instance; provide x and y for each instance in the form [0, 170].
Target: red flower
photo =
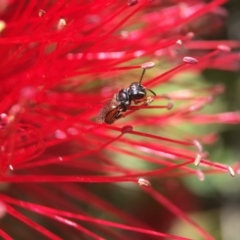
[61, 62]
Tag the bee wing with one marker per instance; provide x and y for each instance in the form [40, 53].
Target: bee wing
[109, 105]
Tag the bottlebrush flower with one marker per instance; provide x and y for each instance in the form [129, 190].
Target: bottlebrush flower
[64, 176]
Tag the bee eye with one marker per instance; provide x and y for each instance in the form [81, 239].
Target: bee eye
[139, 95]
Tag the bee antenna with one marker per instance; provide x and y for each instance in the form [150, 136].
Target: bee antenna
[151, 91]
[143, 72]
[145, 66]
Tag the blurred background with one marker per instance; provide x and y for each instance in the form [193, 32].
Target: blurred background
[220, 195]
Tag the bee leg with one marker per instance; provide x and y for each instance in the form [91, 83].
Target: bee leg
[112, 115]
[119, 116]
[137, 102]
[148, 100]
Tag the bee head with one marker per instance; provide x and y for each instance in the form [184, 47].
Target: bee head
[136, 91]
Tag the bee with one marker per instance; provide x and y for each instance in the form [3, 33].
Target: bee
[121, 101]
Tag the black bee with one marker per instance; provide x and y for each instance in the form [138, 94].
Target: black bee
[121, 101]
